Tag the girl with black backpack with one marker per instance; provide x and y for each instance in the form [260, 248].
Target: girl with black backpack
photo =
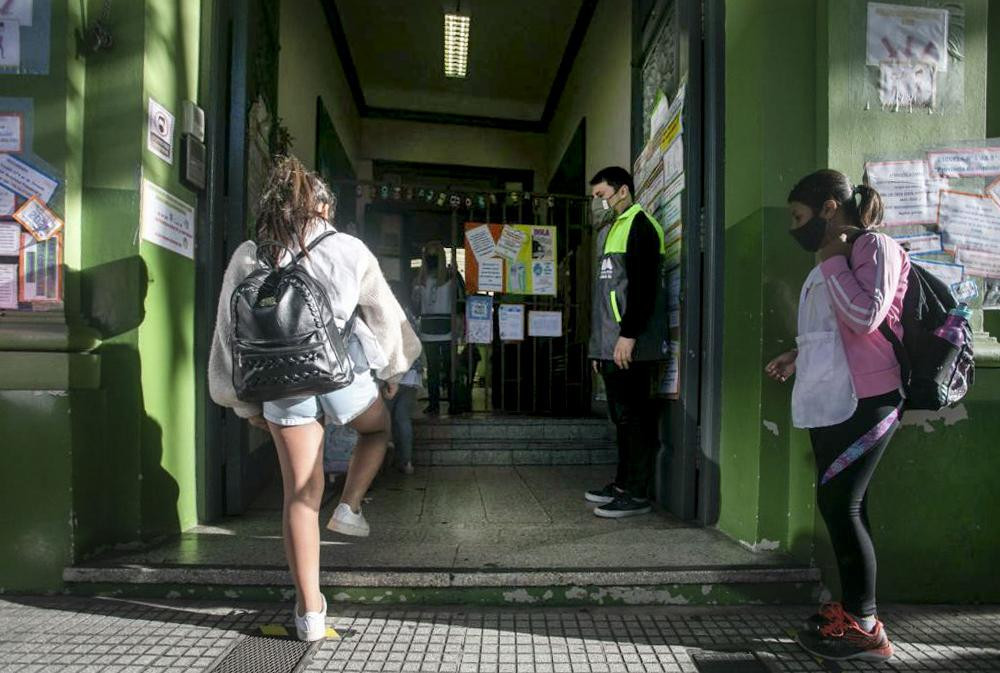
[294, 218]
[847, 389]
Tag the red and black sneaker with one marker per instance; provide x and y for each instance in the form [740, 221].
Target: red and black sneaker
[842, 638]
[828, 612]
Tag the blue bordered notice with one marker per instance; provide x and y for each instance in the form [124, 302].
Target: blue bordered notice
[919, 243]
[949, 272]
[25, 180]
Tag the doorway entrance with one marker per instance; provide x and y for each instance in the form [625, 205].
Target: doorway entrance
[546, 376]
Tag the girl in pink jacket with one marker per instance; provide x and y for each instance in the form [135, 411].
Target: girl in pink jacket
[847, 389]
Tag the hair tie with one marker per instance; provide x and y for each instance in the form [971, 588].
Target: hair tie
[855, 191]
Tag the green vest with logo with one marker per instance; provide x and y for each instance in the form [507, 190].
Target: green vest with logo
[611, 294]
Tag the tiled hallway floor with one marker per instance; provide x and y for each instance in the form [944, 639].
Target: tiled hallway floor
[476, 518]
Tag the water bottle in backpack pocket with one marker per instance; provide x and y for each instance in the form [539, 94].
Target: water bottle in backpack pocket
[935, 354]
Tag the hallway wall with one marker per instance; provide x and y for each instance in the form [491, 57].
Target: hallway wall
[309, 66]
[598, 89]
[392, 140]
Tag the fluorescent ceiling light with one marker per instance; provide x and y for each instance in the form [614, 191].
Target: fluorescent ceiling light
[456, 45]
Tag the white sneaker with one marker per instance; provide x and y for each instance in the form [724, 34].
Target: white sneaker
[346, 522]
[312, 625]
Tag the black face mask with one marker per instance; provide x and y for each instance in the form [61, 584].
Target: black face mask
[810, 235]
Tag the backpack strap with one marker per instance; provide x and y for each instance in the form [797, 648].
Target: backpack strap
[312, 246]
[898, 349]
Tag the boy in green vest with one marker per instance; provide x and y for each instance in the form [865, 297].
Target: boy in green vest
[628, 336]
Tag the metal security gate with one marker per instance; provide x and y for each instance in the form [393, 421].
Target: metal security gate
[543, 376]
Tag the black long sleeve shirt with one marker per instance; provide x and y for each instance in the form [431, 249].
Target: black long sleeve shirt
[642, 268]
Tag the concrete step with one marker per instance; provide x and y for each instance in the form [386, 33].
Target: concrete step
[493, 452]
[513, 428]
[556, 587]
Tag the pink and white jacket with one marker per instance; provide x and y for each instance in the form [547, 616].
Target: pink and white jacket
[864, 291]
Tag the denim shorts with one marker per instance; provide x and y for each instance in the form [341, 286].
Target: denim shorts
[340, 407]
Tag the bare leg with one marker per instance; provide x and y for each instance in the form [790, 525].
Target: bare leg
[373, 434]
[300, 452]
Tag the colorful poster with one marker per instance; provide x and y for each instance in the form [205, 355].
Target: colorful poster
[544, 323]
[11, 132]
[40, 222]
[25, 180]
[41, 270]
[905, 187]
[531, 272]
[479, 319]
[167, 221]
[969, 222]
[511, 322]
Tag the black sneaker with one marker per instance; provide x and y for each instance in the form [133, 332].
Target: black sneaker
[603, 496]
[622, 506]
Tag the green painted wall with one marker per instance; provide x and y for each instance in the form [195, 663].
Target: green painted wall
[789, 113]
[771, 120]
[113, 432]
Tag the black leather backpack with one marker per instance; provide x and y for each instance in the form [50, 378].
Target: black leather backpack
[284, 340]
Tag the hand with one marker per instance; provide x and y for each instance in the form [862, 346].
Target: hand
[391, 390]
[258, 422]
[593, 364]
[839, 244]
[624, 348]
[781, 367]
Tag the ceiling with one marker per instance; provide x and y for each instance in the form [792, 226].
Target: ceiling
[515, 51]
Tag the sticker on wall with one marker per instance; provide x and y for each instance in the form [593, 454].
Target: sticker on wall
[479, 319]
[39, 221]
[907, 86]
[167, 221]
[160, 137]
[11, 132]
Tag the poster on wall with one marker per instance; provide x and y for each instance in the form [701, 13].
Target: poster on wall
[969, 222]
[8, 286]
[511, 322]
[40, 278]
[510, 258]
[11, 132]
[479, 319]
[908, 193]
[544, 323]
[160, 137]
[38, 220]
[167, 221]
[907, 33]
[25, 180]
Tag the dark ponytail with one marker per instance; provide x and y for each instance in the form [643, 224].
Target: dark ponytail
[871, 210]
[817, 188]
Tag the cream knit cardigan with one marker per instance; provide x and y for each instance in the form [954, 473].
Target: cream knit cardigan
[352, 277]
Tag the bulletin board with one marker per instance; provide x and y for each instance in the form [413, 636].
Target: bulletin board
[943, 205]
[517, 259]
